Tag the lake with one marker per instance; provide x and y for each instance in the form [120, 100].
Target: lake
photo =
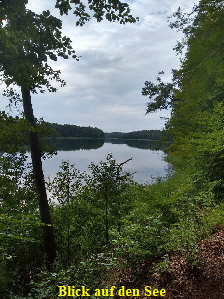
[147, 162]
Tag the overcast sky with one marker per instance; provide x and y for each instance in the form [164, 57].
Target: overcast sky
[104, 88]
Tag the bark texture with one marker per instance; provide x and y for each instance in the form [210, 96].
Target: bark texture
[49, 240]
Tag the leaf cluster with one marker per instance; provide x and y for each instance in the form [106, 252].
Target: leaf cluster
[111, 10]
[13, 133]
[28, 41]
[161, 95]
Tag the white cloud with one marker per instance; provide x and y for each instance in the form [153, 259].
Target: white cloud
[104, 87]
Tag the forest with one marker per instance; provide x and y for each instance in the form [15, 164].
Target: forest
[67, 130]
[102, 229]
[141, 134]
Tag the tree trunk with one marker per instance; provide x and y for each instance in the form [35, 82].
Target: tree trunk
[49, 241]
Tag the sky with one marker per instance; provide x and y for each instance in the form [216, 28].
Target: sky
[104, 87]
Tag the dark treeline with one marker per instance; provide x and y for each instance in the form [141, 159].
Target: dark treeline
[143, 144]
[67, 130]
[73, 144]
[143, 134]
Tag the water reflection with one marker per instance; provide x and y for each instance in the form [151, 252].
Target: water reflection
[146, 162]
[142, 144]
[72, 144]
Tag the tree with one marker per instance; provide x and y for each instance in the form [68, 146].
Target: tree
[110, 186]
[197, 85]
[197, 117]
[27, 42]
[161, 94]
[200, 76]
[112, 10]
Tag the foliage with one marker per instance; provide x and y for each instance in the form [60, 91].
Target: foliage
[103, 217]
[168, 215]
[112, 11]
[77, 221]
[28, 41]
[196, 122]
[67, 130]
[13, 133]
[143, 134]
[108, 188]
[20, 236]
[161, 95]
[89, 272]
[140, 239]
[88, 206]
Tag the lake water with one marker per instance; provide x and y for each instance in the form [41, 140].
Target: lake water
[147, 163]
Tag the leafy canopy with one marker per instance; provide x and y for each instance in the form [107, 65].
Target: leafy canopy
[201, 70]
[112, 10]
[29, 40]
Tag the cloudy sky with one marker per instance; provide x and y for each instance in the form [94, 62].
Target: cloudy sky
[104, 88]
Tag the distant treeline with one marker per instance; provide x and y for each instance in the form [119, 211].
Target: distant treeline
[144, 134]
[67, 130]
[75, 131]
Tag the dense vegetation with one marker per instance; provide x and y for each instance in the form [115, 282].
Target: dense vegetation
[103, 221]
[196, 98]
[143, 134]
[67, 130]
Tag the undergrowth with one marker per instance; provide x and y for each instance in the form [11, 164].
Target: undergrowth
[172, 214]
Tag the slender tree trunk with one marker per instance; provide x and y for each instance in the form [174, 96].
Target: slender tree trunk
[49, 241]
[106, 219]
